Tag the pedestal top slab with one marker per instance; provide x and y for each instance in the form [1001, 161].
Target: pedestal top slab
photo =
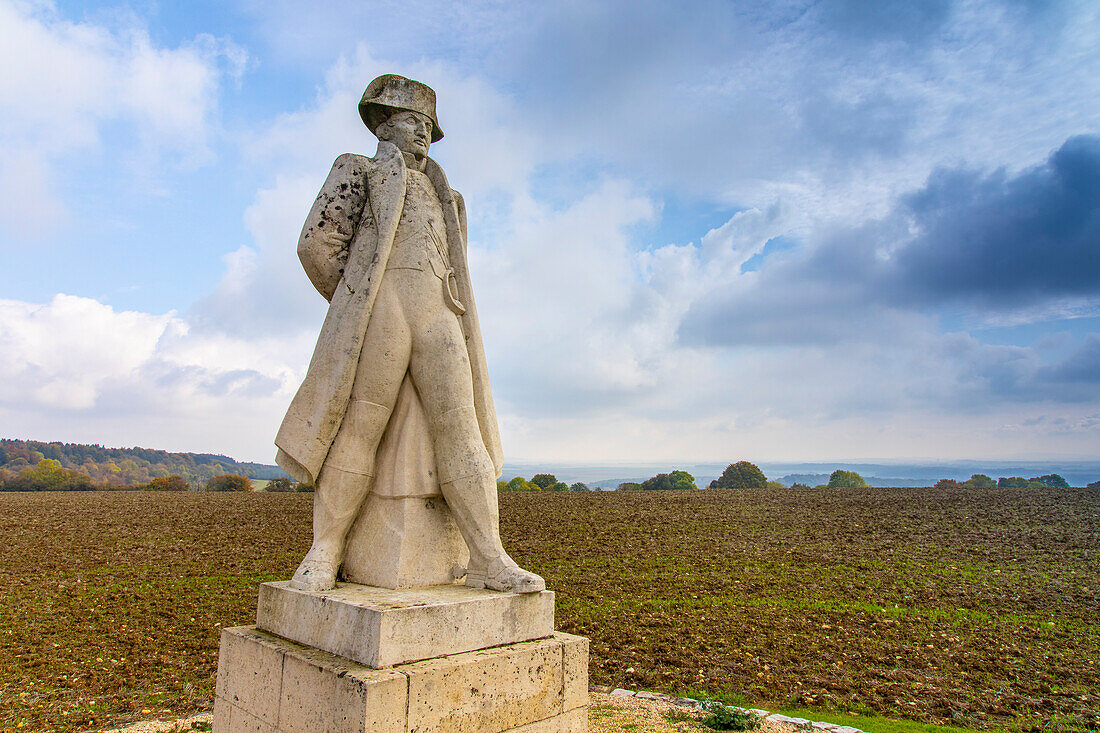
[381, 627]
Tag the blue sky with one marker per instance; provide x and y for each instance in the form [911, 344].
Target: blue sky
[784, 231]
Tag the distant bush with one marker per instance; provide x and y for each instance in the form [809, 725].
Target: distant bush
[1053, 481]
[519, 483]
[629, 486]
[1094, 485]
[544, 480]
[740, 475]
[578, 486]
[947, 483]
[797, 485]
[774, 485]
[229, 482]
[846, 480]
[279, 485]
[1018, 482]
[174, 482]
[679, 480]
[979, 481]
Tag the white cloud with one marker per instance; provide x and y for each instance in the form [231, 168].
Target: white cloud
[76, 369]
[65, 82]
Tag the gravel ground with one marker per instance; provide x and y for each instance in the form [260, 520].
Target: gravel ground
[606, 714]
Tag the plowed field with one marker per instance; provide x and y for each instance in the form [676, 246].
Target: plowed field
[973, 607]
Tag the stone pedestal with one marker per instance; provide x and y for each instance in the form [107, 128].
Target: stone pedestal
[404, 542]
[267, 684]
[380, 627]
[443, 658]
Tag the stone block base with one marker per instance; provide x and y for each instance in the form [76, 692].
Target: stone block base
[266, 684]
[380, 627]
[404, 542]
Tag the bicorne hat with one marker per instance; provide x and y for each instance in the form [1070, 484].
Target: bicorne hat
[397, 92]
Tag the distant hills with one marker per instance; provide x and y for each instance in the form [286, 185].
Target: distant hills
[117, 467]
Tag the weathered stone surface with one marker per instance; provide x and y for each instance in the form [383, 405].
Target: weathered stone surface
[575, 670]
[515, 687]
[250, 669]
[620, 692]
[301, 690]
[491, 690]
[573, 721]
[229, 717]
[380, 627]
[404, 542]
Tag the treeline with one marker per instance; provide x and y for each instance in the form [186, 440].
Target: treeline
[746, 475]
[539, 482]
[30, 465]
[981, 481]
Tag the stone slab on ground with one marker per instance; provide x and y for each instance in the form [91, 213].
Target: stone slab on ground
[380, 627]
[268, 684]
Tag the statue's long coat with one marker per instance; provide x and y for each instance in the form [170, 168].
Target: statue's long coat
[344, 247]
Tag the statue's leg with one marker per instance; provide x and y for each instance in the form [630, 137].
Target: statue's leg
[440, 368]
[348, 472]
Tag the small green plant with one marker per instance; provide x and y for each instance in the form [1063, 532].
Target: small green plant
[724, 717]
[199, 725]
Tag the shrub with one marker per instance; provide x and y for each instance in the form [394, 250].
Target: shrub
[229, 482]
[174, 482]
[740, 475]
[979, 481]
[797, 485]
[947, 483]
[544, 480]
[279, 485]
[680, 480]
[578, 486]
[723, 717]
[846, 480]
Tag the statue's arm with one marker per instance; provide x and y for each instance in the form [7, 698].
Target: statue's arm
[331, 224]
[460, 204]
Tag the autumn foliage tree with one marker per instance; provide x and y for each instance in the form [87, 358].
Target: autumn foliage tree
[229, 482]
[174, 482]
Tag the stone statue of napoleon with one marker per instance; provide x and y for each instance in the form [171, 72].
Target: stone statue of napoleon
[398, 384]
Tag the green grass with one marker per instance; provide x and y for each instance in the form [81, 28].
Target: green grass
[877, 724]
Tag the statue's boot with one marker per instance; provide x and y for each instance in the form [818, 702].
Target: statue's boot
[345, 481]
[336, 502]
[473, 501]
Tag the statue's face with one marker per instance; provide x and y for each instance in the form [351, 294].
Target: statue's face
[410, 131]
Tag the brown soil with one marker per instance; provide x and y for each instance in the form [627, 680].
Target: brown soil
[979, 608]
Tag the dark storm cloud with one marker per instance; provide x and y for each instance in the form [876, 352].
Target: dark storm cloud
[1005, 241]
[992, 243]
